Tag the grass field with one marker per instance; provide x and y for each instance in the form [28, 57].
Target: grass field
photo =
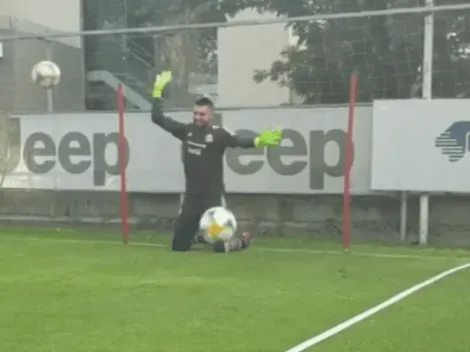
[71, 291]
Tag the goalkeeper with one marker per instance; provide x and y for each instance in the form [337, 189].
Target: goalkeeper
[204, 145]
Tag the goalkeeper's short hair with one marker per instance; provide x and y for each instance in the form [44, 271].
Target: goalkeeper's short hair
[204, 101]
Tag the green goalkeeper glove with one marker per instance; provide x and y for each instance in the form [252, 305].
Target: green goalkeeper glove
[269, 139]
[161, 81]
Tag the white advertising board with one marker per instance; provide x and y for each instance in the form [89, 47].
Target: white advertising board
[311, 157]
[421, 145]
[79, 152]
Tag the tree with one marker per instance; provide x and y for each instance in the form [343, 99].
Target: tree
[387, 51]
[451, 75]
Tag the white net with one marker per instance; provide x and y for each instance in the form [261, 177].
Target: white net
[267, 65]
[304, 62]
[136, 58]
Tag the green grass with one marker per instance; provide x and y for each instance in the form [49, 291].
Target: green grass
[69, 291]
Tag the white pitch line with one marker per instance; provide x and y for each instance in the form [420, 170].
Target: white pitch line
[368, 313]
[257, 249]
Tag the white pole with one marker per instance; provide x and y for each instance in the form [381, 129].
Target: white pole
[49, 92]
[50, 100]
[427, 94]
[403, 215]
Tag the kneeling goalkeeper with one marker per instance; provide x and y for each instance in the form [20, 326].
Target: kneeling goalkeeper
[204, 145]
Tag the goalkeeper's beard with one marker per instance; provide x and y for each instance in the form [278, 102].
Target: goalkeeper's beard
[202, 121]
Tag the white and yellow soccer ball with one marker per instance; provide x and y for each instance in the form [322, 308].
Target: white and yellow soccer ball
[46, 74]
[218, 223]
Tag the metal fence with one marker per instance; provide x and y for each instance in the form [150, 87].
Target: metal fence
[251, 60]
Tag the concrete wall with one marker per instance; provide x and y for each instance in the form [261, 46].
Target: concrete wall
[39, 17]
[319, 216]
[58, 15]
[18, 94]
[241, 51]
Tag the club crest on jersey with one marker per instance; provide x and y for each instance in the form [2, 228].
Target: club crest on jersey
[209, 138]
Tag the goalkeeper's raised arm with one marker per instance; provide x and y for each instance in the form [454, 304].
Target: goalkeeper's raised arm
[176, 128]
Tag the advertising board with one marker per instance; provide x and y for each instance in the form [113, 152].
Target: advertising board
[421, 145]
[79, 152]
[311, 157]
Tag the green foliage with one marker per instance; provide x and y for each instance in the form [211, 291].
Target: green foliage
[386, 51]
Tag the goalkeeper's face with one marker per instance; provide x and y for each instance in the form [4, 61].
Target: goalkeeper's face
[202, 115]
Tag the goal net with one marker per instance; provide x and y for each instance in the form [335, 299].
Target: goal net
[271, 71]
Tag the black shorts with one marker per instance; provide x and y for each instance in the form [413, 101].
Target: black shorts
[187, 223]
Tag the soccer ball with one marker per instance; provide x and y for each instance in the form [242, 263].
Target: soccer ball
[217, 224]
[46, 74]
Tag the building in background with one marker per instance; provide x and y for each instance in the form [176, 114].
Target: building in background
[135, 59]
[241, 51]
[215, 62]
[111, 60]
[29, 17]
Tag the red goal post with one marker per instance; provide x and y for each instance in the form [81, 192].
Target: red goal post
[122, 165]
[349, 162]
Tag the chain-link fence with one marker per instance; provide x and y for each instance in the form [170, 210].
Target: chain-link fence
[261, 68]
[309, 62]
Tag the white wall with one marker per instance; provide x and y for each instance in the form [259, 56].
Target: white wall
[60, 15]
[241, 51]
[38, 17]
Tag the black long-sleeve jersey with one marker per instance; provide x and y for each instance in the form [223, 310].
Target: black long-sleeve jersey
[203, 152]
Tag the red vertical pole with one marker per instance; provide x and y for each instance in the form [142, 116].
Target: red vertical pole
[122, 165]
[349, 162]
